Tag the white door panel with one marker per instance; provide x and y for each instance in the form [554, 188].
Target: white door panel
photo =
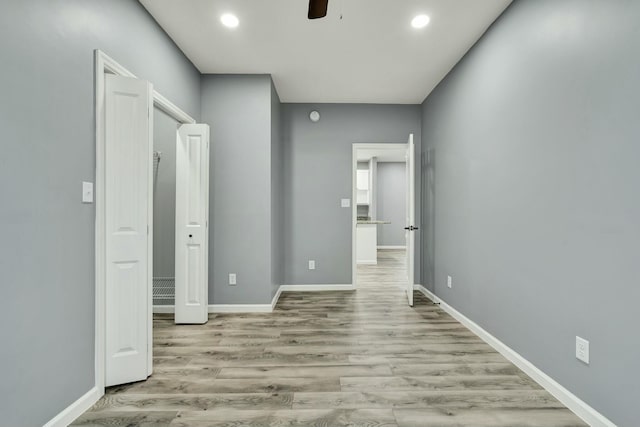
[128, 103]
[192, 214]
[410, 214]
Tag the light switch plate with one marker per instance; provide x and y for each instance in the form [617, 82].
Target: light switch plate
[582, 350]
[345, 203]
[449, 281]
[312, 264]
[87, 192]
[232, 279]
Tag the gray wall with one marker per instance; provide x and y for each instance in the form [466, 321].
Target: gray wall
[277, 193]
[238, 109]
[391, 204]
[164, 196]
[535, 141]
[48, 142]
[318, 174]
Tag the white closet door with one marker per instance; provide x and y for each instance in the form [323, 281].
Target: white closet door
[410, 214]
[128, 133]
[192, 217]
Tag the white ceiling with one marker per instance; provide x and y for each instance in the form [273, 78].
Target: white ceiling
[371, 55]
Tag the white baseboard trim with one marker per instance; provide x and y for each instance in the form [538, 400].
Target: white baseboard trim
[240, 308]
[276, 297]
[367, 262]
[307, 288]
[570, 400]
[315, 288]
[77, 408]
[164, 309]
[392, 247]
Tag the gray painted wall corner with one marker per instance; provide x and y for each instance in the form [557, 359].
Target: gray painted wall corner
[277, 193]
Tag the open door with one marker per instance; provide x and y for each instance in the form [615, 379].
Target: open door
[128, 145]
[410, 214]
[192, 224]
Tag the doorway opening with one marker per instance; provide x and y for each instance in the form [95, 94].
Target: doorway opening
[383, 219]
[164, 211]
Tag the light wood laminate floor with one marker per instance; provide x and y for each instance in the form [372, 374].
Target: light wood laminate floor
[361, 358]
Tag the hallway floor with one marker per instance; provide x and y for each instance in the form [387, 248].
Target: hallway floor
[361, 358]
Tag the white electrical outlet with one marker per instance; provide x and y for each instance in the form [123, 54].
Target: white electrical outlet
[232, 279]
[582, 349]
[312, 264]
[449, 281]
[345, 203]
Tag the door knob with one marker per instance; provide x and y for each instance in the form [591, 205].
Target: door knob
[190, 235]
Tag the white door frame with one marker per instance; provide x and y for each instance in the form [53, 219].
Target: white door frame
[354, 195]
[106, 65]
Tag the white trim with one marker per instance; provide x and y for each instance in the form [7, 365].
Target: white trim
[77, 408]
[171, 109]
[316, 288]
[392, 247]
[354, 214]
[268, 308]
[570, 400]
[367, 262]
[427, 293]
[105, 64]
[276, 297]
[164, 309]
[240, 308]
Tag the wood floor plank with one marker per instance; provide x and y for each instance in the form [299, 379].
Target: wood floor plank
[306, 371]
[193, 402]
[470, 382]
[452, 369]
[547, 417]
[468, 399]
[266, 359]
[289, 418]
[355, 358]
[159, 384]
[126, 419]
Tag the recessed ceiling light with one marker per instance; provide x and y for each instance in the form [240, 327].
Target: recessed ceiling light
[229, 20]
[420, 21]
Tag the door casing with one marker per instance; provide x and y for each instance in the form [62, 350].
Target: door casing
[106, 65]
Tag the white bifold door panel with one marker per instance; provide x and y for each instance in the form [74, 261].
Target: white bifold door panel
[128, 136]
[410, 228]
[192, 217]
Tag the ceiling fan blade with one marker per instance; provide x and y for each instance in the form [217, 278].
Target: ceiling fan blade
[317, 9]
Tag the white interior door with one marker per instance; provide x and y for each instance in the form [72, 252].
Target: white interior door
[128, 136]
[410, 214]
[192, 217]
